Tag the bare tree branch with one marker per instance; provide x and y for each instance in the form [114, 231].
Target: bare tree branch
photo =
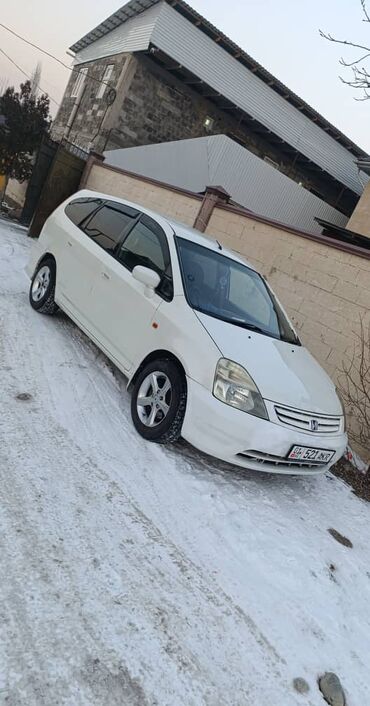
[355, 387]
[356, 61]
[347, 43]
[361, 79]
[364, 8]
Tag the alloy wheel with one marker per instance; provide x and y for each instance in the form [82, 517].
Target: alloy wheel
[154, 399]
[41, 283]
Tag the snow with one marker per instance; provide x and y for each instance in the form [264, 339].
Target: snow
[141, 575]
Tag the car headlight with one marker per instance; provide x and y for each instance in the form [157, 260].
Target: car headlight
[234, 386]
[340, 397]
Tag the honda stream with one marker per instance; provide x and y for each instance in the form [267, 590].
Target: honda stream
[208, 350]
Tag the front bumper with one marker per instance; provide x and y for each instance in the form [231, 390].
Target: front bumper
[242, 439]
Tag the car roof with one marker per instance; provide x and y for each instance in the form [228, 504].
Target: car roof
[180, 229]
[184, 231]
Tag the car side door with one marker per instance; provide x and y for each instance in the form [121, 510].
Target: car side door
[75, 260]
[125, 309]
[98, 233]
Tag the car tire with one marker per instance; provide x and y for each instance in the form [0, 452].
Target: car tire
[42, 289]
[163, 386]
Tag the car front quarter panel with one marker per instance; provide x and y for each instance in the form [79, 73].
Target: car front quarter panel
[175, 328]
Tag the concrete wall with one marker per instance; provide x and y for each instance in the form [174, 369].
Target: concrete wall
[16, 191]
[325, 289]
[360, 219]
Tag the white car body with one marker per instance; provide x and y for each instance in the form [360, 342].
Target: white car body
[130, 322]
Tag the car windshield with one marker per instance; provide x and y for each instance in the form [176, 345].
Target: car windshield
[226, 289]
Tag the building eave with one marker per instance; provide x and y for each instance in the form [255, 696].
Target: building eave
[364, 165]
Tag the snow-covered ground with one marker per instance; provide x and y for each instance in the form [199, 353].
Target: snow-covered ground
[132, 574]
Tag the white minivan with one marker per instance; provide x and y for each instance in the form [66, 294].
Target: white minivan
[209, 353]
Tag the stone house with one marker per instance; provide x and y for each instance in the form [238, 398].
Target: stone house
[156, 71]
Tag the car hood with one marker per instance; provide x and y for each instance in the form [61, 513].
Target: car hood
[284, 373]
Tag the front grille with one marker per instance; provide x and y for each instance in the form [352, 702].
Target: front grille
[305, 421]
[276, 461]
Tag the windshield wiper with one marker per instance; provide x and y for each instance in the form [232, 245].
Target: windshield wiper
[251, 327]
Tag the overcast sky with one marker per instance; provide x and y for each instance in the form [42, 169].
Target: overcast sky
[283, 36]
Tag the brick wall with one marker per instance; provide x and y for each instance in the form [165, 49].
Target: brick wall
[360, 219]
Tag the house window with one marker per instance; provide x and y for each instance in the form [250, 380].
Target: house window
[107, 74]
[79, 82]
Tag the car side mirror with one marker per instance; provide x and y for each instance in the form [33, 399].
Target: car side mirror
[148, 277]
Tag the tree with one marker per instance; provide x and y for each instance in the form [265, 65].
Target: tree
[360, 74]
[25, 120]
[355, 388]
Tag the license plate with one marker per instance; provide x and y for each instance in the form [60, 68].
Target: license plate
[305, 453]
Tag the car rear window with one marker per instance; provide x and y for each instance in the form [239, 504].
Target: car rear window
[80, 209]
[108, 224]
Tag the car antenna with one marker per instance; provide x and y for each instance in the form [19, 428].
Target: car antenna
[219, 245]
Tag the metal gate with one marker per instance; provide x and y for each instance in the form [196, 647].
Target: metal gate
[63, 179]
[44, 159]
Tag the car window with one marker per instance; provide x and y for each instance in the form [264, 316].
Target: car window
[143, 246]
[108, 224]
[146, 245]
[80, 209]
[226, 289]
[242, 289]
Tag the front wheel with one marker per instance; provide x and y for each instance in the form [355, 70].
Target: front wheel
[42, 288]
[158, 402]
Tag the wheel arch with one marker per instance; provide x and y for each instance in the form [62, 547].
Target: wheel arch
[160, 354]
[45, 256]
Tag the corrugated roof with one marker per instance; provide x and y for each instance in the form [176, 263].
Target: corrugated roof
[202, 161]
[134, 7]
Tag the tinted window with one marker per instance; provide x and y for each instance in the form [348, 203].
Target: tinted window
[228, 290]
[107, 226]
[146, 245]
[80, 209]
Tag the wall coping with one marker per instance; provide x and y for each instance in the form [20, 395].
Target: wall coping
[316, 237]
[149, 180]
[245, 213]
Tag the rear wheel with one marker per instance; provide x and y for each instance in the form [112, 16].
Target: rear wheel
[42, 288]
[158, 401]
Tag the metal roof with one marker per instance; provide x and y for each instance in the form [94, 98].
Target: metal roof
[217, 160]
[347, 236]
[135, 7]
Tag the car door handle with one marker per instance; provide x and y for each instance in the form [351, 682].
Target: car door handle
[104, 275]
